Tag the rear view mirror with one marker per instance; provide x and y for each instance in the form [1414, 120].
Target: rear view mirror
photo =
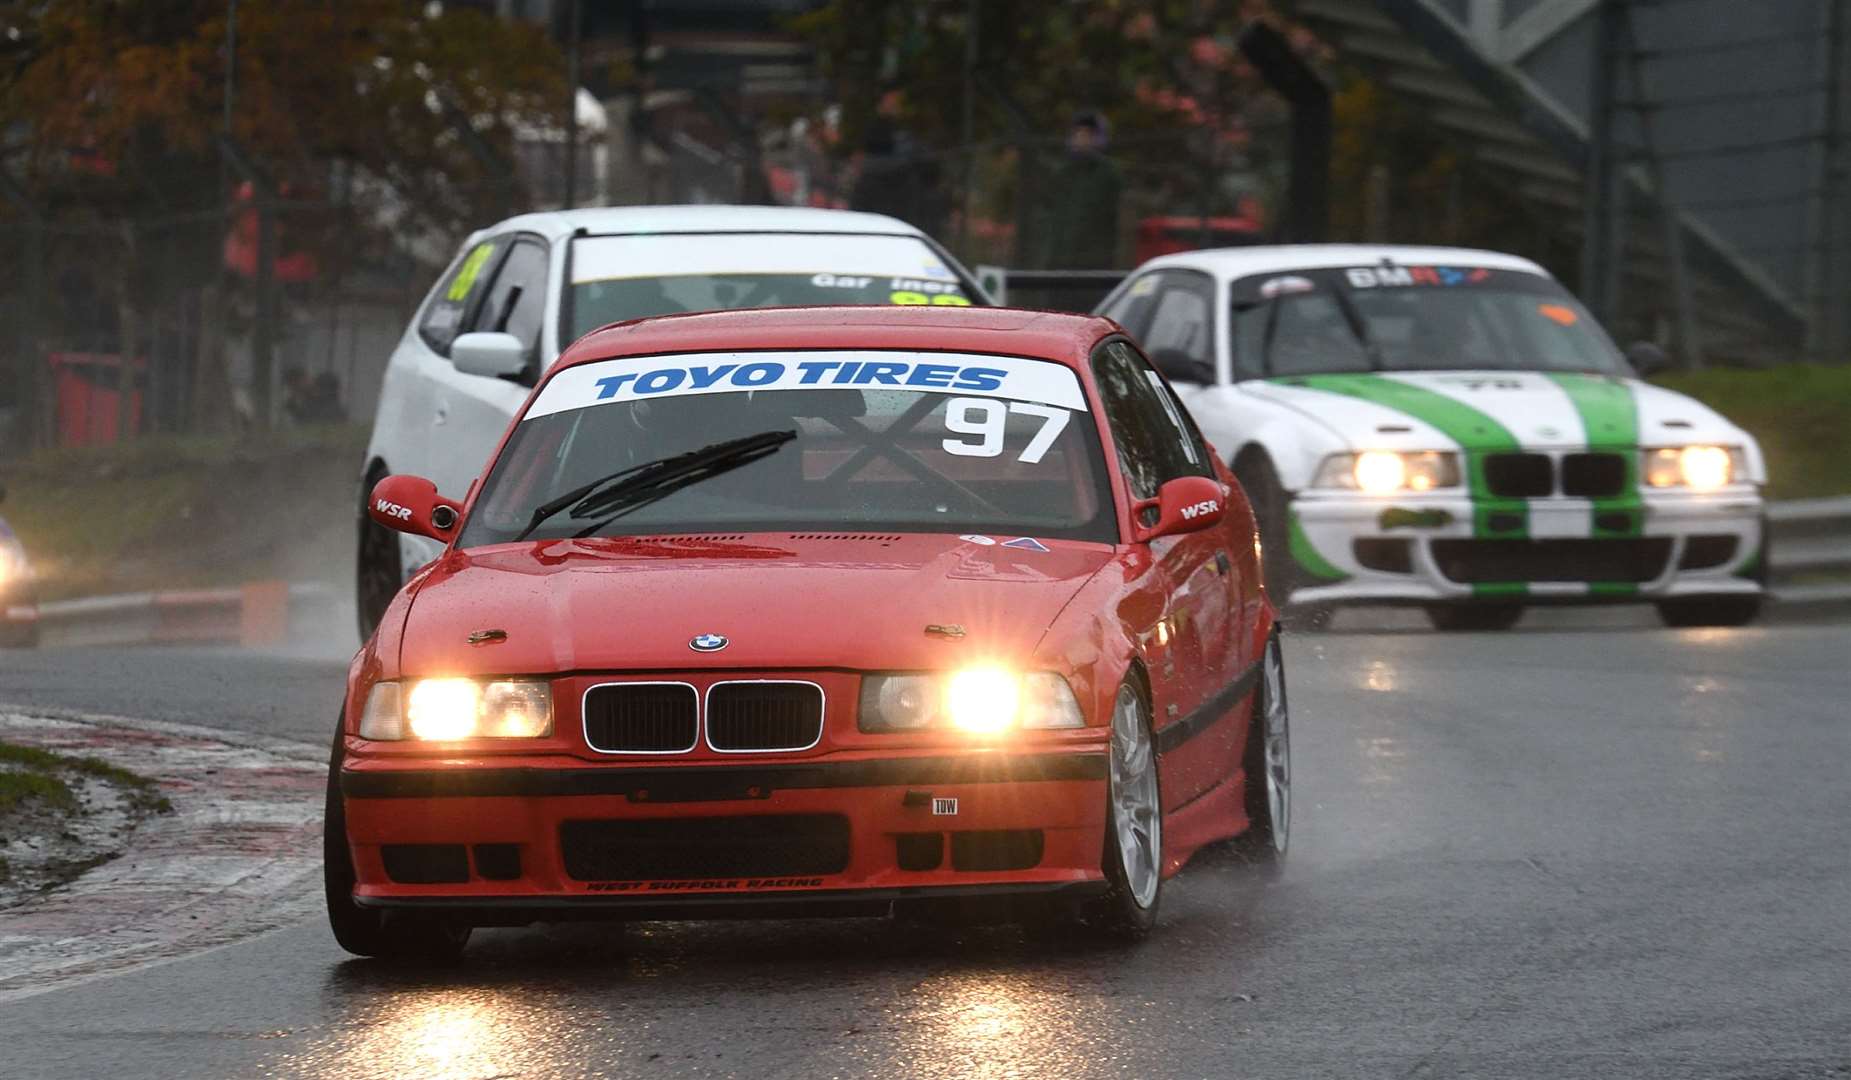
[1647, 358]
[1184, 505]
[410, 504]
[1179, 366]
[494, 355]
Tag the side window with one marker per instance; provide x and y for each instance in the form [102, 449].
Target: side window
[1155, 441]
[1133, 307]
[1247, 339]
[451, 301]
[1181, 338]
[516, 302]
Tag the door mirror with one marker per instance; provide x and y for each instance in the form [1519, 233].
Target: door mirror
[495, 355]
[1179, 366]
[410, 504]
[1184, 505]
[1647, 358]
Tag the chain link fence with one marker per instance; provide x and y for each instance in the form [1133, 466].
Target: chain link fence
[274, 310]
[236, 318]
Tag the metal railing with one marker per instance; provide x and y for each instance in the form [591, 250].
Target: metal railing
[1811, 551]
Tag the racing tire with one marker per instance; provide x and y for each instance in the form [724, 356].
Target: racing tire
[1709, 611]
[1267, 759]
[1461, 618]
[397, 936]
[1134, 824]
[378, 568]
[1272, 515]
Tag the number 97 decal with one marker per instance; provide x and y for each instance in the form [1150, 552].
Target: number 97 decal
[988, 419]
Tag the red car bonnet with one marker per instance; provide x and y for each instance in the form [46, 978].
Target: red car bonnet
[634, 604]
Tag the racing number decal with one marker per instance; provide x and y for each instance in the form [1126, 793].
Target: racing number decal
[988, 419]
[470, 270]
[911, 299]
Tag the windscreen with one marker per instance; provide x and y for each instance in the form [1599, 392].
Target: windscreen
[1413, 318]
[634, 277]
[896, 441]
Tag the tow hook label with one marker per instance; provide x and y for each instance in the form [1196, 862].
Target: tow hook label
[944, 807]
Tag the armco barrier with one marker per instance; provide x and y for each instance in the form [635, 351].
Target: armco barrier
[260, 613]
[1811, 537]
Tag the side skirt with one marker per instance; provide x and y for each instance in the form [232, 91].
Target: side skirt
[1217, 814]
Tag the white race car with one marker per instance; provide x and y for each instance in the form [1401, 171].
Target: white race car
[520, 291]
[1450, 429]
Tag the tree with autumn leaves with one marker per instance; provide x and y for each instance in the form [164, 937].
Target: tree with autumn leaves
[1182, 103]
[374, 121]
[1195, 128]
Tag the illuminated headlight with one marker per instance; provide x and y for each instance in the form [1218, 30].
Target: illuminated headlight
[1384, 472]
[444, 710]
[980, 701]
[1699, 468]
[13, 564]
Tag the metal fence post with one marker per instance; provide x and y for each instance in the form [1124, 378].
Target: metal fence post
[263, 324]
[1308, 205]
[1599, 239]
[32, 428]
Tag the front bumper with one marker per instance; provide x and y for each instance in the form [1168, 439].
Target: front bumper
[547, 836]
[1354, 549]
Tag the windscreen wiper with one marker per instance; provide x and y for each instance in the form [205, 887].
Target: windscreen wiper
[1372, 352]
[626, 489]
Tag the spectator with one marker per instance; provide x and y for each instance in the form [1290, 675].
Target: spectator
[898, 180]
[1080, 228]
[312, 400]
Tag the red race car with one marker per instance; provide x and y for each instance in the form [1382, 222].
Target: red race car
[819, 609]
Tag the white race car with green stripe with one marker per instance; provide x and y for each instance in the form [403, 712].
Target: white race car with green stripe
[1451, 429]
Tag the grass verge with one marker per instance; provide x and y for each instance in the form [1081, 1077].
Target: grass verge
[62, 814]
[35, 772]
[174, 512]
[1800, 413]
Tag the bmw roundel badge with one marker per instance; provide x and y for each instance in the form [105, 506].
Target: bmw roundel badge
[707, 642]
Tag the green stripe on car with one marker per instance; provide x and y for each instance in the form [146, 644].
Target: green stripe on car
[1610, 416]
[1476, 433]
[1308, 558]
[1495, 589]
[1612, 588]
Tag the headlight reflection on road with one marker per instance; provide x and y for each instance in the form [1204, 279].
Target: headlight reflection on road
[1379, 675]
[1703, 719]
[972, 1024]
[440, 1035]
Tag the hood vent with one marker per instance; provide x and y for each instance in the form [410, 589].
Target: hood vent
[843, 536]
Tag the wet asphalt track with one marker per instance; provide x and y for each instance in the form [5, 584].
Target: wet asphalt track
[1605, 851]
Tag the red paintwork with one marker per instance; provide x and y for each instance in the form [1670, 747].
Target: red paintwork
[1184, 505]
[406, 503]
[824, 609]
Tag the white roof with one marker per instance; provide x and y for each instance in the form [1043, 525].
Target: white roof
[1239, 262]
[700, 219]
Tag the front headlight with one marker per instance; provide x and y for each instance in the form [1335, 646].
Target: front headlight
[1699, 468]
[981, 701]
[1385, 472]
[445, 710]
